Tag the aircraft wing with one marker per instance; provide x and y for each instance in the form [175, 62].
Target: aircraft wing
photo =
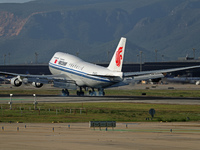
[48, 77]
[131, 74]
[58, 80]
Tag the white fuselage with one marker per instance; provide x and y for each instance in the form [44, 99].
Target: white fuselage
[83, 73]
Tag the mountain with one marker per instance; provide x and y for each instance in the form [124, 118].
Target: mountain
[91, 29]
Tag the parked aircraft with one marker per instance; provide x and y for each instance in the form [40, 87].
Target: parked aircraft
[70, 72]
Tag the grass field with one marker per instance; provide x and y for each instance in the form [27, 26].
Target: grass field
[84, 112]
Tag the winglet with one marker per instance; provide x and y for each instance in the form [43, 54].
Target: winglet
[118, 57]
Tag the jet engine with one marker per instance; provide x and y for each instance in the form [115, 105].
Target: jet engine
[16, 82]
[37, 84]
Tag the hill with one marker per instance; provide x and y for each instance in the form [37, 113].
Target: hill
[92, 29]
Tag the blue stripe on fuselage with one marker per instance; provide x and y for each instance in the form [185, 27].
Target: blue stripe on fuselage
[79, 73]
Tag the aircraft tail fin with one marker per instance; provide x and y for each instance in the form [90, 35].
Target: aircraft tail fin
[117, 59]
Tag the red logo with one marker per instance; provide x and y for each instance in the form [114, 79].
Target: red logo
[55, 61]
[118, 57]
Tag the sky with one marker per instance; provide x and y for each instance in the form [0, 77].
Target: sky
[14, 1]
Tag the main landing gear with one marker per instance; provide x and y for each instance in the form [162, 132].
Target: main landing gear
[99, 93]
[92, 92]
[65, 92]
[80, 93]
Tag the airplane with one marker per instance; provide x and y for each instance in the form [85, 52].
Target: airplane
[71, 72]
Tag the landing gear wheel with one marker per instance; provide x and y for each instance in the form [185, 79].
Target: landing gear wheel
[65, 92]
[92, 93]
[80, 93]
[101, 92]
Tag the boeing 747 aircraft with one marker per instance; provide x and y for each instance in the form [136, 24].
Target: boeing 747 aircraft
[70, 72]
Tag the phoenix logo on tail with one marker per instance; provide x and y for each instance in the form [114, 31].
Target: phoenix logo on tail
[118, 57]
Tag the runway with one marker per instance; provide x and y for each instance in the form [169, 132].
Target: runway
[4, 99]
